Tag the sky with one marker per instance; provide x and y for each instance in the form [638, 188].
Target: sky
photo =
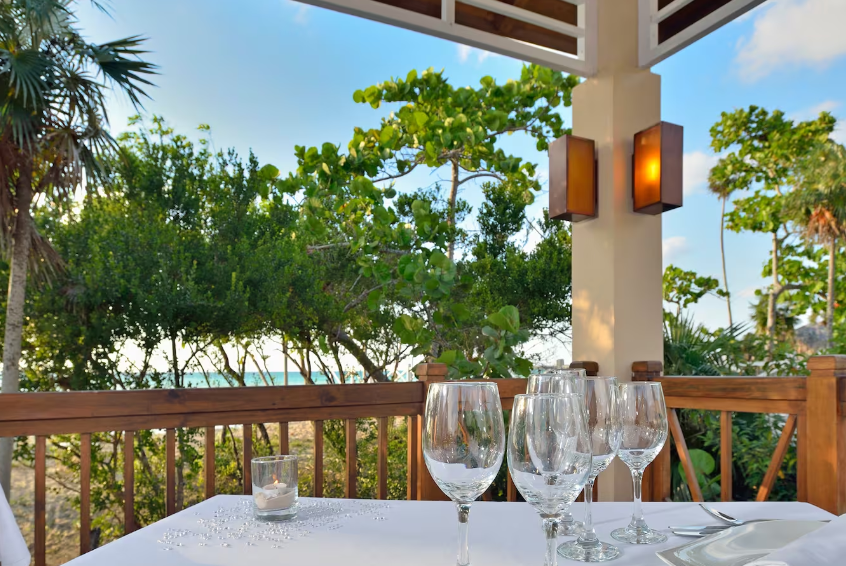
[267, 75]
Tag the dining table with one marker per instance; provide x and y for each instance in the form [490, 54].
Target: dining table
[221, 531]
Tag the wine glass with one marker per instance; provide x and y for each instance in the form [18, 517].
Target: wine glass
[463, 445]
[549, 456]
[643, 417]
[566, 381]
[603, 418]
[556, 381]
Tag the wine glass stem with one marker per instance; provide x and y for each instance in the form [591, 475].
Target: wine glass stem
[637, 516]
[550, 528]
[589, 534]
[463, 533]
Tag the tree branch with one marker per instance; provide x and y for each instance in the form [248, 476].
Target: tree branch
[477, 175]
[363, 296]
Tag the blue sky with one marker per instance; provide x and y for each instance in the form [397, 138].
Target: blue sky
[271, 74]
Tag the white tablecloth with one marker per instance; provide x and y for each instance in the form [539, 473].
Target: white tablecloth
[218, 532]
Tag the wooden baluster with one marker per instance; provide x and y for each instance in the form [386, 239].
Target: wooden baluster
[684, 456]
[40, 546]
[411, 471]
[170, 471]
[318, 458]
[247, 430]
[382, 458]
[802, 458]
[725, 455]
[84, 493]
[510, 488]
[662, 475]
[778, 457]
[352, 460]
[128, 481]
[284, 447]
[208, 462]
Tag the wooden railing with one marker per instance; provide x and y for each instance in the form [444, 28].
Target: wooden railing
[816, 407]
[85, 412]
[816, 410]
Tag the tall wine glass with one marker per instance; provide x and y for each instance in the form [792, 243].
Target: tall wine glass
[603, 417]
[549, 456]
[555, 381]
[463, 445]
[566, 381]
[643, 416]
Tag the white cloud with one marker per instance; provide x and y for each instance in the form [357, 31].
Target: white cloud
[673, 247]
[697, 165]
[747, 293]
[792, 33]
[465, 51]
[301, 13]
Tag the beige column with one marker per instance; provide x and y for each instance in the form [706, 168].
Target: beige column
[617, 270]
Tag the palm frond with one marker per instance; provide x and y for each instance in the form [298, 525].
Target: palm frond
[28, 69]
[119, 61]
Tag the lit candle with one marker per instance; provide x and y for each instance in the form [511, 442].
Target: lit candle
[275, 496]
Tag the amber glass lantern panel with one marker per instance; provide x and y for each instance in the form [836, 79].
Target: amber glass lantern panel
[572, 179]
[657, 168]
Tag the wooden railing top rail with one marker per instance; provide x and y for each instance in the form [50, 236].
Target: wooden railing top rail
[23, 414]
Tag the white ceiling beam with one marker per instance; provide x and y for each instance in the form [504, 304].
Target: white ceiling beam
[533, 18]
[669, 10]
[462, 34]
[651, 53]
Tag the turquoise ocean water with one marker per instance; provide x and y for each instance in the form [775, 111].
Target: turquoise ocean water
[253, 378]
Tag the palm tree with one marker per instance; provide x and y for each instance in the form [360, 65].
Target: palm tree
[820, 208]
[53, 86]
[721, 187]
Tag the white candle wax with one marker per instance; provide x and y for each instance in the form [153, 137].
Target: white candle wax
[275, 496]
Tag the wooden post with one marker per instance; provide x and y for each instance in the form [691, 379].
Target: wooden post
[657, 477]
[591, 368]
[825, 467]
[427, 489]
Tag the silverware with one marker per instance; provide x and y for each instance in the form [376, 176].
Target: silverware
[700, 527]
[695, 532]
[728, 518]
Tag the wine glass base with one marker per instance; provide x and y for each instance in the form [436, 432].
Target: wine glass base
[570, 528]
[594, 552]
[638, 536]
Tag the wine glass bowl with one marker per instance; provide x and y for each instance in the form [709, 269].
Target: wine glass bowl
[463, 444]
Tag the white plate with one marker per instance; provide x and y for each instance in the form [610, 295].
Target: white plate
[739, 545]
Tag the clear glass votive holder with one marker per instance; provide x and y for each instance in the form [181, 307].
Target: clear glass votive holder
[275, 487]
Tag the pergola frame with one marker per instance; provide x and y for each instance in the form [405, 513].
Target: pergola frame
[690, 20]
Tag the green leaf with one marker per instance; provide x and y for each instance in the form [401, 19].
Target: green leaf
[374, 299]
[268, 172]
[421, 118]
[703, 464]
[498, 319]
[439, 260]
[512, 317]
[448, 357]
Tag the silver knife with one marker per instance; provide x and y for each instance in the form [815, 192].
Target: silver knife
[696, 533]
[701, 527]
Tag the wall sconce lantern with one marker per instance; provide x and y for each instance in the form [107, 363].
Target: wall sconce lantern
[572, 179]
[657, 168]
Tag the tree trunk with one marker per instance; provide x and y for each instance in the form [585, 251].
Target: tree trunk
[771, 305]
[176, 381]
[21, 242]
[723, 253]
[829, 307]
[453, 198]
[370, 368]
